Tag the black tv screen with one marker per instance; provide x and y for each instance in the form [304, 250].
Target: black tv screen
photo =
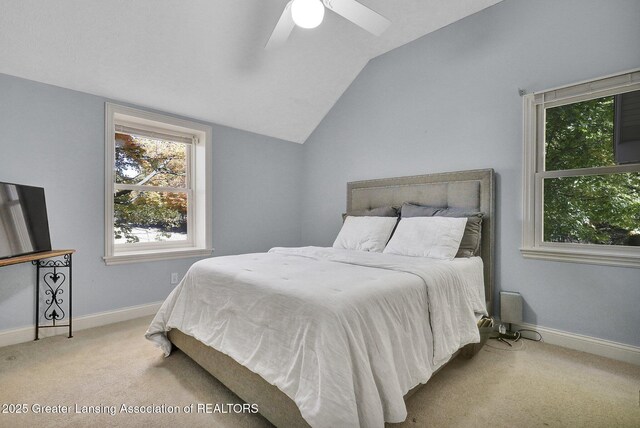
[24, 227]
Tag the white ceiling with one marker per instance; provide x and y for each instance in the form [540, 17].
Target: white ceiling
[204, 58]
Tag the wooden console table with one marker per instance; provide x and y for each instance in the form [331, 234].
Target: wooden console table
[53, 280]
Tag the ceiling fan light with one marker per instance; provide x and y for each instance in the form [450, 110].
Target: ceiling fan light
[307, 13]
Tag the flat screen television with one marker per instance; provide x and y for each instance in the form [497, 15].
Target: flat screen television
[24, 227]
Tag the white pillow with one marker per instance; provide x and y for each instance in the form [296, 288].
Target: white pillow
[434, 237]
[365, 233]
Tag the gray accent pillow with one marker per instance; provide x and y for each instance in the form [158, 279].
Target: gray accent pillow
[412, 210]
[373, 212]
[458, 212]
[470, 244]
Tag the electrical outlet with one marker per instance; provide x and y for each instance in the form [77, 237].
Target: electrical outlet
[174, 278]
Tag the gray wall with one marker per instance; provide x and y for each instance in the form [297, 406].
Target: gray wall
[449, 101]
[54, 138]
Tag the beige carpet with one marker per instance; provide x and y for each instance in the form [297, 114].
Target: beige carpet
[533, 385]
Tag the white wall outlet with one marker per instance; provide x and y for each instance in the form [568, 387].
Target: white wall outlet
[174, 278]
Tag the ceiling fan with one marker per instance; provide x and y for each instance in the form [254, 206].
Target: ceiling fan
[309, 14]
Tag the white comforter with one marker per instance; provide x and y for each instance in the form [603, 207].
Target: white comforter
[345, 334]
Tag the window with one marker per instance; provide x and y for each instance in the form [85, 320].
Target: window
[157, 176]
[582, 172]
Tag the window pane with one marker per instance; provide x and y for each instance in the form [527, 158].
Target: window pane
[596, 209]
[580, 135]
[145, 161]
[149, 216]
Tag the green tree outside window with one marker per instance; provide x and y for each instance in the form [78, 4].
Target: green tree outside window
[593, 209]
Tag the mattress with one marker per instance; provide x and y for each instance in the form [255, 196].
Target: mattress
[344, 334]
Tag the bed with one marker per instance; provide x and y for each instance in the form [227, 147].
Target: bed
[348, 349]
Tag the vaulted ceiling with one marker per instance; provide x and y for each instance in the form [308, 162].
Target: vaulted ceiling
[204, 58]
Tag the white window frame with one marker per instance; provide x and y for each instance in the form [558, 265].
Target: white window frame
[199, 240]
[535, 105]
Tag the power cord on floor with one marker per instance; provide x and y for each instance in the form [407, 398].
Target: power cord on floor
[511, 338]
[538, 339]
[511, 348]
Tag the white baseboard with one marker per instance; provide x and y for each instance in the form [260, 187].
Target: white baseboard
[604, 348]
[26, 334]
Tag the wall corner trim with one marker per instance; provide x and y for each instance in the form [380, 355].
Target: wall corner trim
[26, 334]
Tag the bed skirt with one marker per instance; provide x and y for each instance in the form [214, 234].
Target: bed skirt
[273, 404]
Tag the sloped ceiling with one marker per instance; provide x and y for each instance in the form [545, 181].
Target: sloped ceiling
[204, 58]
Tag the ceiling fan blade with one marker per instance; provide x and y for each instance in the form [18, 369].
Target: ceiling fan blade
[283, 28]
[360, 15]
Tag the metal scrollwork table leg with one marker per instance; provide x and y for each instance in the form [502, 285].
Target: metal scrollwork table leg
[53, 280]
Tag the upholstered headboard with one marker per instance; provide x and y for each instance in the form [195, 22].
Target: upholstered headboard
[474, 190]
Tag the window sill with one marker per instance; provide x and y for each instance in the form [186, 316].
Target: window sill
[589, 256]
[156, 255]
